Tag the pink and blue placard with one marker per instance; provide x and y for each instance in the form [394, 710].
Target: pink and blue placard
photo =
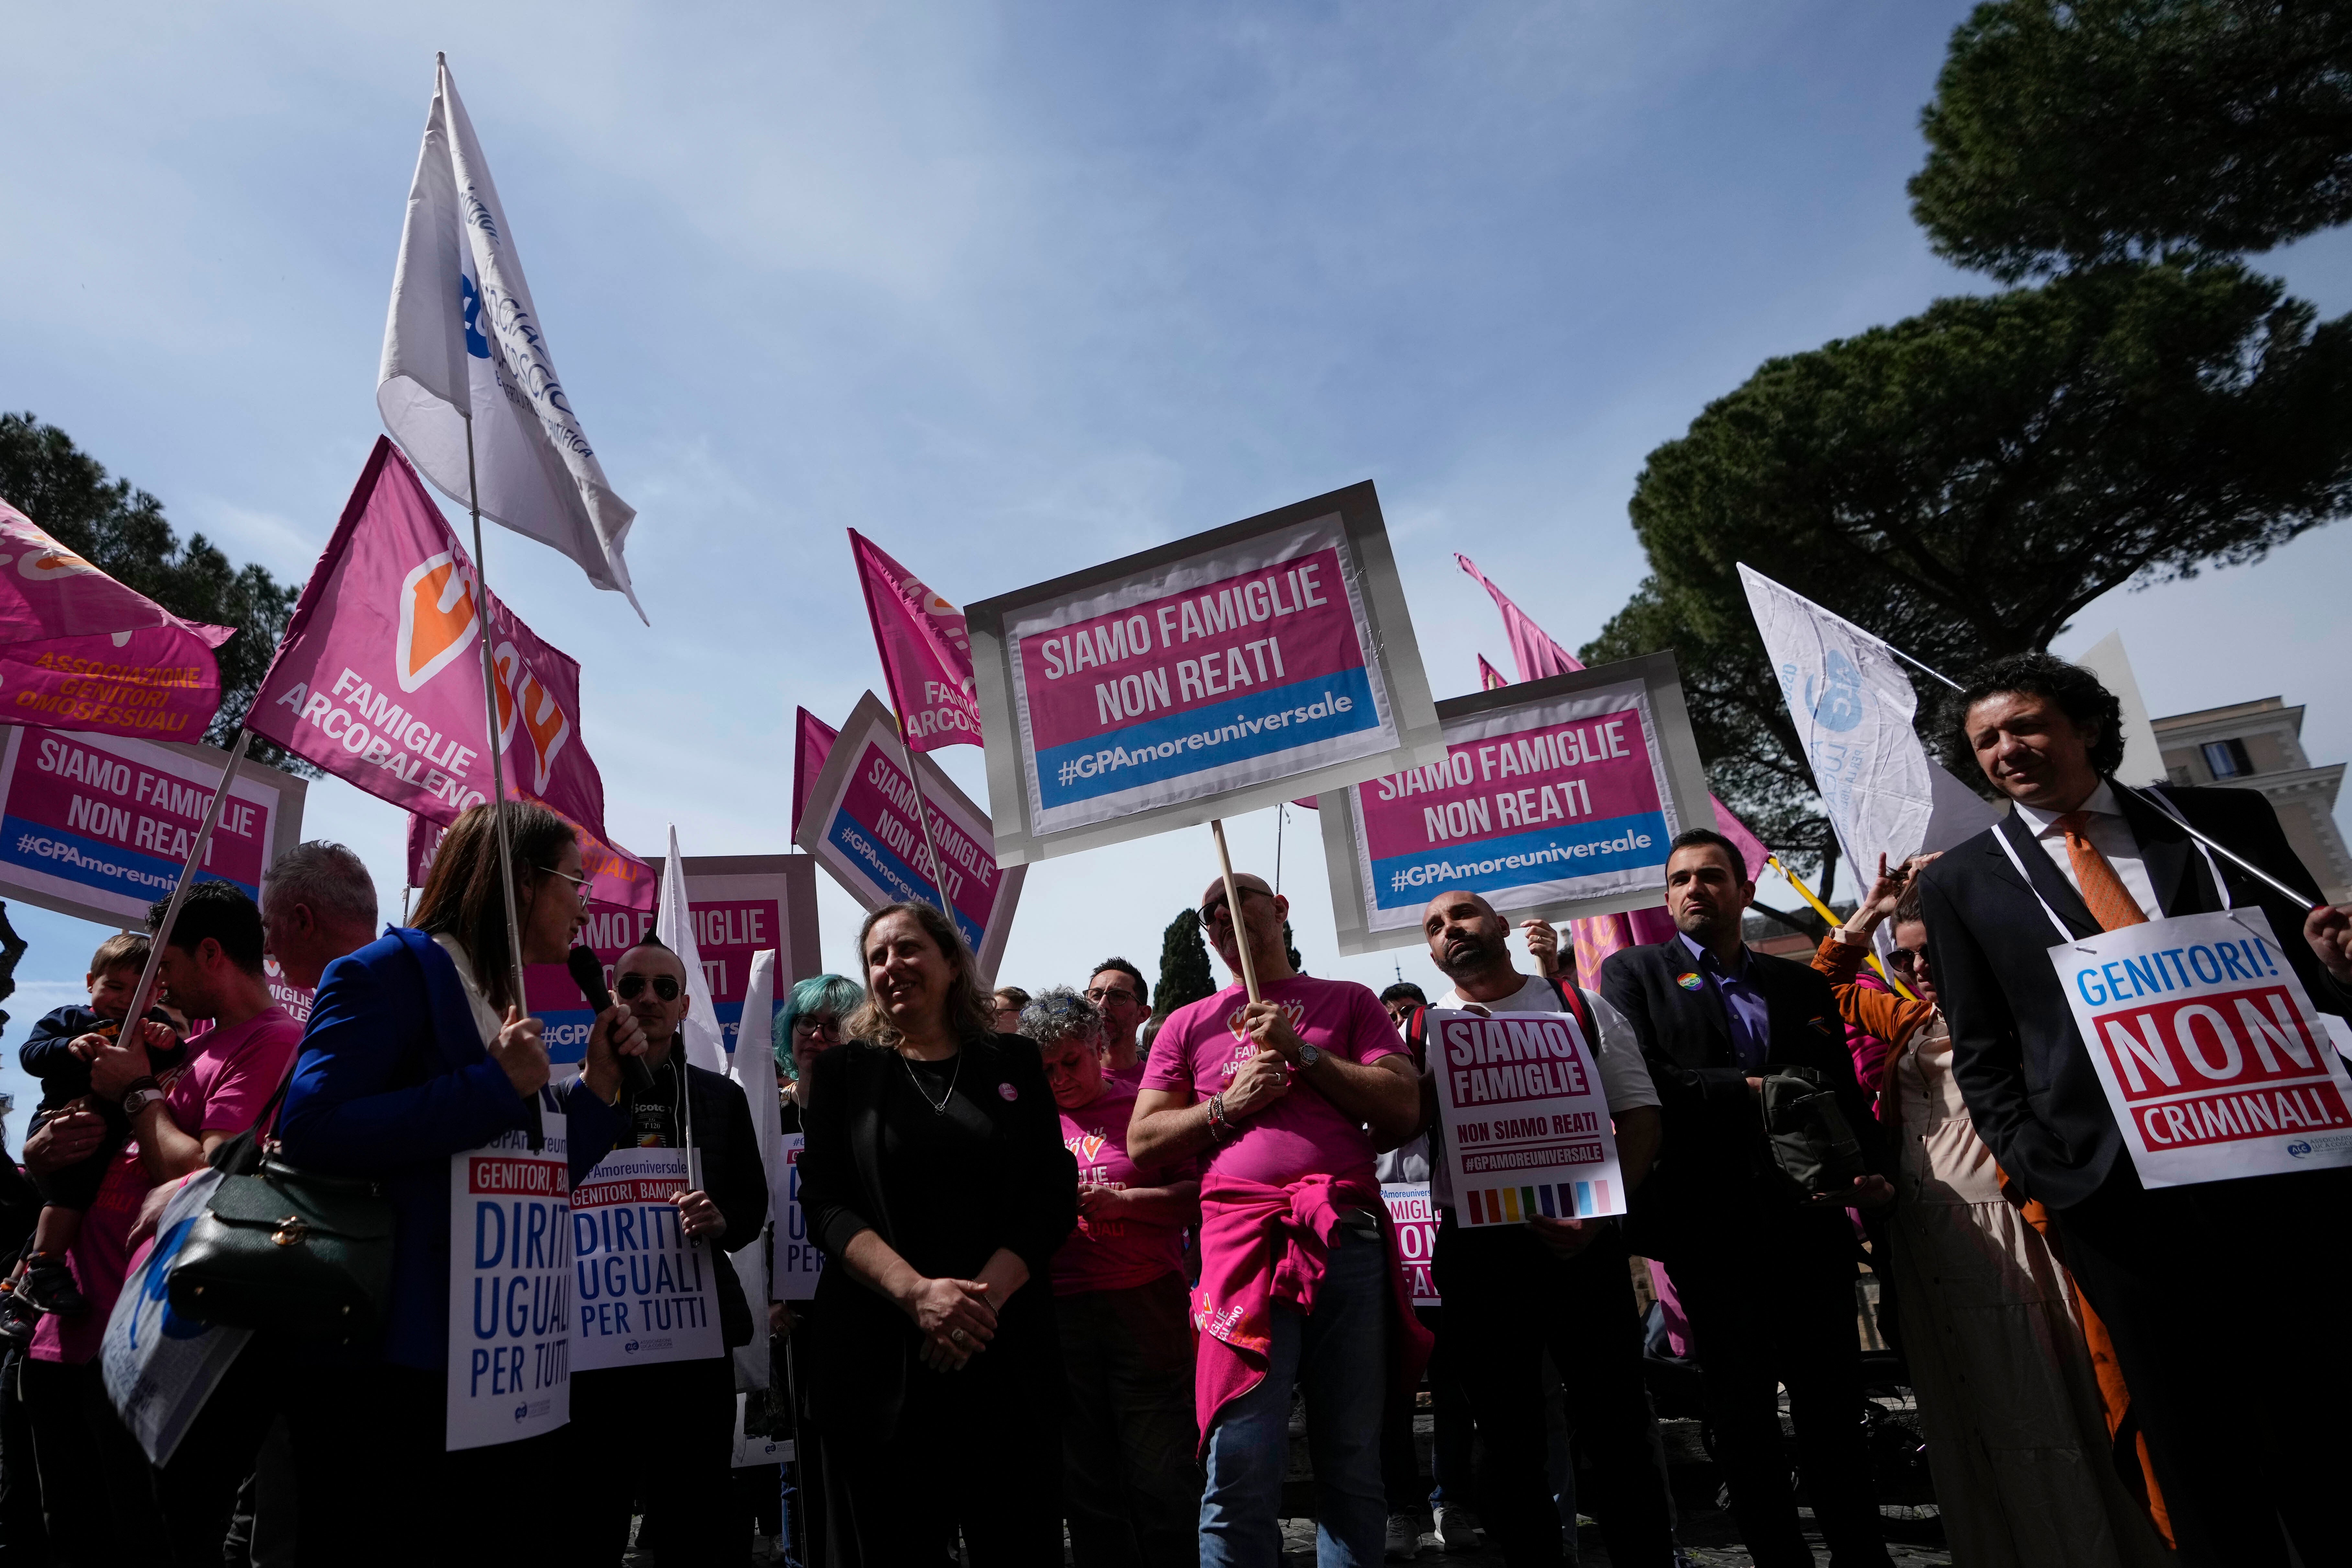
[1556, 799]
[1234, 670]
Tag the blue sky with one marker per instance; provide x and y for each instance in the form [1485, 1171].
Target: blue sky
[1009, 289]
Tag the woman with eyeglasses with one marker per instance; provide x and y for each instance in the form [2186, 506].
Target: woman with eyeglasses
[418, 1049]
[2011, 1396]
[810, 1025]
[936, 1183]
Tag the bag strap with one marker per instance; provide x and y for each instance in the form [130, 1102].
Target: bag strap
[1572, 1000]
[241, 1155]
[1416, 1036]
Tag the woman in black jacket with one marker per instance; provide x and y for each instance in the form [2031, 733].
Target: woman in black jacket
[935, 1182]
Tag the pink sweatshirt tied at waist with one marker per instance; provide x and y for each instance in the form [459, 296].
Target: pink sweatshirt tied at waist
[1262, 1246]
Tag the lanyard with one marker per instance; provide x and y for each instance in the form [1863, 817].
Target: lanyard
[2220, 886]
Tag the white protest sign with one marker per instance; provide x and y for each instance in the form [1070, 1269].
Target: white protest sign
[751, 1448]
[1527, 1122]
[798, 1261]
[2215, 1062]
[1412, 1220]
[159, 1367]
[509, 1289]
[1240, 667]
[646, 1293]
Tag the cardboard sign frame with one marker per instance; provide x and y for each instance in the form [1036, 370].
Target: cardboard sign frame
[1384, 628]
[1685, 801]
[870, 723]
[192, 763]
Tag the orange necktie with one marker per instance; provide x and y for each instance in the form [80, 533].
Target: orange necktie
[2110, 903]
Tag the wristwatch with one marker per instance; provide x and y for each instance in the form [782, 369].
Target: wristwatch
[138, 1100]
[1307, 1055]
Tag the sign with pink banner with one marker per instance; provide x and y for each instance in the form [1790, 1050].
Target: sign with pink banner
[1241, 668]
[926, 652]
[98, 825]
[861, 825]
[379, 679]
[739, 904]
[80, 651]
[1555, 799]
[617, 877]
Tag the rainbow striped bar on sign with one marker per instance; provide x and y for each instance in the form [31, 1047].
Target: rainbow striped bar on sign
[1564, 1199]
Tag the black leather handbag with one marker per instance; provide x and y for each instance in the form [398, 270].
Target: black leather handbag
[285, 1250]
[1807, 1132]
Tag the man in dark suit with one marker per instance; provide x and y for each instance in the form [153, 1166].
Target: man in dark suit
[1765, 1275]
[2221, 1297]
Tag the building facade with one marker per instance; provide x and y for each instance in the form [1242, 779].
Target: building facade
[2258, 745]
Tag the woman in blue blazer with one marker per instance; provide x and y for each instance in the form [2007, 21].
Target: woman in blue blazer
[418, 1049]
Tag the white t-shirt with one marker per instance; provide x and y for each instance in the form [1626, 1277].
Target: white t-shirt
[1624, 1075]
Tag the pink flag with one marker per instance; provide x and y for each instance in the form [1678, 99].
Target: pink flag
[926, 657]
[80, 651]
[816, 743]
[1536, 654]
[1489, 678]
[379, 679]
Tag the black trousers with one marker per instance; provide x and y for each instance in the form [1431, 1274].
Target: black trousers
[1507, 1300]
[2225, 1302]
[664, 1433]
[1773, 1302]
[1131, 1477]
[974, 1450]
[97, 1496]
[24, 1538]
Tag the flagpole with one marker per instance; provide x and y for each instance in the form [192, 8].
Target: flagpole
[1234, 909]
[146, 990]
[497, 766]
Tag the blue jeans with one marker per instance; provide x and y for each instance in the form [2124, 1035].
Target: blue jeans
[1339, 1358]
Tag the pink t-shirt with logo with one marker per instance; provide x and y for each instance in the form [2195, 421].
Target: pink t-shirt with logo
[1201, 1046]
[1116, 1254]
[228, 1076]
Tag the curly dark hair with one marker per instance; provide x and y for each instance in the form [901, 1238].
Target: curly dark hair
[2094, 710]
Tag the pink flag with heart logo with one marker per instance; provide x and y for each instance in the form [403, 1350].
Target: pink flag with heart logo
[80, 651]
[926, 657]
[379, 679]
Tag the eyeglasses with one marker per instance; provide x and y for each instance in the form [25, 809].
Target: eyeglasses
[1215, 907]
[580, 885]
[817, 1023]
[632, 986]
[1111, 993]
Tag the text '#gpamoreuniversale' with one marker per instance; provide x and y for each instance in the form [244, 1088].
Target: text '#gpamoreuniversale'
[1259, 663]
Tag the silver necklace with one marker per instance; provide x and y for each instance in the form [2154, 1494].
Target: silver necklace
[939, 1106]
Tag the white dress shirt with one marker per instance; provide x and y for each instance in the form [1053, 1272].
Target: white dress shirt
[2109, 834]
[1624, 1075]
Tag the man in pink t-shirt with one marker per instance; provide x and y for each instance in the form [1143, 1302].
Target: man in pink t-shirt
[96, 1490]
[1285, 1101]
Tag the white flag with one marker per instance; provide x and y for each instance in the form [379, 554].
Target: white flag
[1852, 706]
[464, 340]
[753, 1068]
[674, 925]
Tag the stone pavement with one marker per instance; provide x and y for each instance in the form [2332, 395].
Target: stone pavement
[1914, 1540]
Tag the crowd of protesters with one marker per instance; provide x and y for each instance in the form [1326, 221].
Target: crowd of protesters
[1092, 1267]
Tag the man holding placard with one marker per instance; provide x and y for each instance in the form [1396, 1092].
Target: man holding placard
[1764, 1263]
[1549, 1281]
[651, 1371]
[1286, 1098]
[2135, 990]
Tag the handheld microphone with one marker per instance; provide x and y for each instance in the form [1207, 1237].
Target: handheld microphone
[588, 973]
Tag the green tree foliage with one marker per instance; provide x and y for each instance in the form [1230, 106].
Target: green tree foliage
[2071, 132]
[1184, 973]
[122, 532]
[1962, 482]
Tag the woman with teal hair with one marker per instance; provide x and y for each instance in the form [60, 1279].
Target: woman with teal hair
[809, 1025]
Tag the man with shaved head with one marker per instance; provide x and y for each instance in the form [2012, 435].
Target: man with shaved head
[1512, 1292]
[1285, 1101]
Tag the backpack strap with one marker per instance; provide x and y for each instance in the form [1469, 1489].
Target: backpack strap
[1416, 1037]
[1572, 1000]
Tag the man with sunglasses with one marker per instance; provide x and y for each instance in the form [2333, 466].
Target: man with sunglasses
[1285, 1101]
[1119, 994]
[686, 1408]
